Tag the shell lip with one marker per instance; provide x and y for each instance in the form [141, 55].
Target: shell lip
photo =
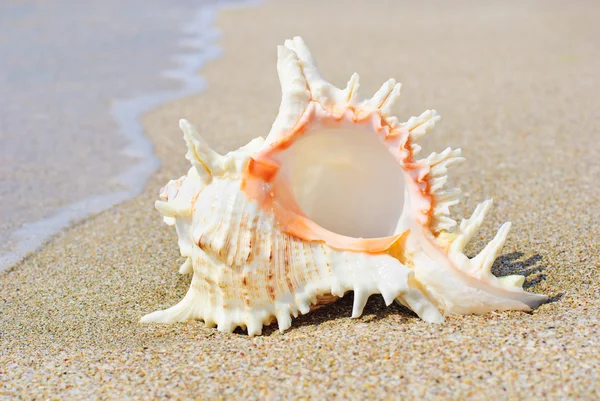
[350, 113]
[262, 183]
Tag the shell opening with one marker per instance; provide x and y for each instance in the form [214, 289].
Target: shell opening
[346, 181]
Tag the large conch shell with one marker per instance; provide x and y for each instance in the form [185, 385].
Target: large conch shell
[332, 201]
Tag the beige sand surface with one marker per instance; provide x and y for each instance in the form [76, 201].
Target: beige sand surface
[518, 86]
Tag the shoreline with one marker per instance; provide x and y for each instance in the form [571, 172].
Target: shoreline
[198, 44]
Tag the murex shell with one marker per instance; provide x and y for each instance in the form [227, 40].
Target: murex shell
[332, 201]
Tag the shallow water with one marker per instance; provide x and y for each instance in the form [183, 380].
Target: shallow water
[74, 78]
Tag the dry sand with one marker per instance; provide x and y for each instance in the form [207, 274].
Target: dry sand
[518, 86]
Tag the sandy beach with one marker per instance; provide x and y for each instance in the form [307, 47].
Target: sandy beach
[517, 85]
[74, 80]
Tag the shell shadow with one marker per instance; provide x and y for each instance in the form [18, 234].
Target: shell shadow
[532, 268]
[513, 263]
[374, 310]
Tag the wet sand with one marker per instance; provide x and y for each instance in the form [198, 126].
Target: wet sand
[74, 80]
[517, 86]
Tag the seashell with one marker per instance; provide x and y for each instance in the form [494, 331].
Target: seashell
[333, 200]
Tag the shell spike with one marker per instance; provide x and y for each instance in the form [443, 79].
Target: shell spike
[416, 148]
[419, 126]
[320, 89]
[306, 62]
[200, 154]
[295, 95]
[226, 326]
[360, 300]
[439, 162]
[255, 327]
[485, 259]
[469, 227]
[290, 73]
[386, 106]
[513, 281]
[186, 267]
[380, 96]
[303, 303]
[422, 306]
[436, 184]
[284, 321]
[209, 323]
[172, 209]
[299, 47]
[185, 310]
[166, 209]
[389, 294]
[351, 90]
